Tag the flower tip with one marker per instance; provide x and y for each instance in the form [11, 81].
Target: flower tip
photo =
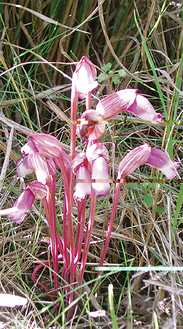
[84, 77]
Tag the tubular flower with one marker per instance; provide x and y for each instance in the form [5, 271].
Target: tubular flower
[135, 158]
[39, 146]
[82, 189]
[21, 206]
[142, 108]
[80, 167]
[38, 189]
[160, 159]
[84, 77]
[100, 173]
[98, 156]
[115, 103]
[24, 202]
[47, 145]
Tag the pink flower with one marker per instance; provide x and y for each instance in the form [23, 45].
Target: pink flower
[135, 158]
[22, 167]
[82, 189]
[160, 159]
[47, 145]
[38, 189]
[145, 155]
[91, 125]
[115, 103]
[142, 108]
[28, 148]
[100, 173]
[80, 167]
[38, 164]
[96, 150]
[98, 156]
[84, 77]
[21, 206]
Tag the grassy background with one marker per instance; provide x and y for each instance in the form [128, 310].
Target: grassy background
[133, 45]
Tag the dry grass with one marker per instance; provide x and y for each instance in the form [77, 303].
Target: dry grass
[35, 56]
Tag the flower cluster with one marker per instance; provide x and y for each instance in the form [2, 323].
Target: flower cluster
[43, 155]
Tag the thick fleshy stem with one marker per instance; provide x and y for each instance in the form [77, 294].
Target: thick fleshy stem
[87, 236]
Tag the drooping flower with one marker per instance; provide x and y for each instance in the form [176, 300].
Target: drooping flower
[97, 154]
[161, 160]
[38, 189]
[21, 206]
[83, 188]
[100, 175]
[115, 103]
[80, 168]
[145, 155]
[47, 145]
[142, 108]
[84, 77]
[34, 190]
[135, 158]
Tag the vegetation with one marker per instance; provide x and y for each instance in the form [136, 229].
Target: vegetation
[133, 45]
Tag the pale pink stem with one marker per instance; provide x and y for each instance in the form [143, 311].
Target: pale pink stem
[65, 240]
[80, 230]
[88, 100]
[74, 100]
[87, 237]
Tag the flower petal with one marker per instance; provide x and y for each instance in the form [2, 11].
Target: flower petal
[96, 150]
[83, 189]
[84, 77]
[39, 165]
[22, 205]
[142, 108]
[100, 172]
[22, 168]
[115, 103]
[135, 158]
[91, 124]
[47, 145]
[161, 160]
[28, 148]
[38, 189]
